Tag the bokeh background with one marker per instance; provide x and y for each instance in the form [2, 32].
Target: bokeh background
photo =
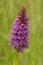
[8, 11]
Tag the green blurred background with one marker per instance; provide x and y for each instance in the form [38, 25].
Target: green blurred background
[8, 11]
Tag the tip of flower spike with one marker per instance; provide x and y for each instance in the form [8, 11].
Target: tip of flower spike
[23, 15]
[22, 11]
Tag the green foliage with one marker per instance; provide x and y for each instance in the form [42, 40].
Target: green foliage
[8, 11]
